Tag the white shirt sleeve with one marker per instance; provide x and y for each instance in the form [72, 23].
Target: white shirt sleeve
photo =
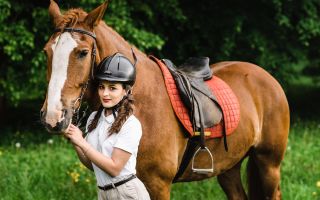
[129, 136]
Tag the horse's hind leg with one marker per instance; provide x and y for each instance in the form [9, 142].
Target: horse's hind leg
[230, 181]
[263, 178]
[264, 165]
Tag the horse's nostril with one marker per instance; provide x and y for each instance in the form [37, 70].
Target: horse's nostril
[41, 113]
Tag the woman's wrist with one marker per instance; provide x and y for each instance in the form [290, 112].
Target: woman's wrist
[85, 147]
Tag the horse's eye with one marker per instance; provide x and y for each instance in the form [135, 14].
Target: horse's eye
[83, 53]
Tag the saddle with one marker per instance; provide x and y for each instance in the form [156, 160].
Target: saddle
[177, 81]
[204, 110]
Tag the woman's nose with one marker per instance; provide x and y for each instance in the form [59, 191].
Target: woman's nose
[106, 92]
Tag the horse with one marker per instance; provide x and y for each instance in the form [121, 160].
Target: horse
[82, 39]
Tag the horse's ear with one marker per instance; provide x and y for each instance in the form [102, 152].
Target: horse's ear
[54, 12]
[94, 17]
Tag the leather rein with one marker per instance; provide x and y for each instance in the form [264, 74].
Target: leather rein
[76, 119]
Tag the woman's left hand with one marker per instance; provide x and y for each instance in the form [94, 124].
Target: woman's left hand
[75, 135]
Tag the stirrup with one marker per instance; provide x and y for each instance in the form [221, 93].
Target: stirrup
[202, 170]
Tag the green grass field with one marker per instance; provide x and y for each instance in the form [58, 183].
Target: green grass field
[39, 166]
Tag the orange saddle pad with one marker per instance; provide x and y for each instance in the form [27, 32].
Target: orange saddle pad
[225, 97]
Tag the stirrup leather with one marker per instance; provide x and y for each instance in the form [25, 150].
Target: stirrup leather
[202, 170]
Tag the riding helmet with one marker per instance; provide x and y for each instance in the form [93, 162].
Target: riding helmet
[116, 68]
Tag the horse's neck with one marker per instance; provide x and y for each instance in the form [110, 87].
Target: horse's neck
[110, 42]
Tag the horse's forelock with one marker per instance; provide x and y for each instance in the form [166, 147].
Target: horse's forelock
[72, 17]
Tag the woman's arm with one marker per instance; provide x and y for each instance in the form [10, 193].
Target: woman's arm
[112, 166]
[83, 158]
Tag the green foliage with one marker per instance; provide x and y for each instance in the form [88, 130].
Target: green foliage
[281, 36]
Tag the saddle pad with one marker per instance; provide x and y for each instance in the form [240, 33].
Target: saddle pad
[225, 97]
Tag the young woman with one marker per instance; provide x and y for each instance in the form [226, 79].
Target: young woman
[111, 145]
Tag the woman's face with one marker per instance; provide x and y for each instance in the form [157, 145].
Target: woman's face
[110, 93]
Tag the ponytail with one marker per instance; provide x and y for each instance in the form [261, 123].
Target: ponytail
[95, 120]
[125, 110]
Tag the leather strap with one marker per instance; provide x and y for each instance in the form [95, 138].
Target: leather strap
[114, 185]
[187, 156]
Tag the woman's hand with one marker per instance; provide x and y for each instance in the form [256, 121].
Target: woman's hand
[75, 135]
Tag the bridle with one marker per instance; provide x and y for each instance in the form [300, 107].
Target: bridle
[76, 119]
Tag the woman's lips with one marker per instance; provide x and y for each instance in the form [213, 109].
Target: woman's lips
[106, 100]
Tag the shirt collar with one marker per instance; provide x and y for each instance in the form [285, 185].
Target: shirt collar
[109, 119]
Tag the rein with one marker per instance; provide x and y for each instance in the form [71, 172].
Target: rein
[76, 119]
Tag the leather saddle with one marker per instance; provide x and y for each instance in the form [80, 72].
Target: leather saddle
[204, 110]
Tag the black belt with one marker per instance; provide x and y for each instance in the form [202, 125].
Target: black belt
[114, 185]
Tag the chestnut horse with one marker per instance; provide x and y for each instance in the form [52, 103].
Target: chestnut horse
[261, 135]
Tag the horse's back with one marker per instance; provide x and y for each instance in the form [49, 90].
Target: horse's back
[263, 103]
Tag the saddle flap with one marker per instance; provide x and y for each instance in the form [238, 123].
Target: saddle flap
[207, 111]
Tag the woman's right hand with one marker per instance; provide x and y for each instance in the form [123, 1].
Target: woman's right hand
[75, 135]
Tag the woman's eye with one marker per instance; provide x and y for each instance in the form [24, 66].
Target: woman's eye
[83, 53]
[101, 87]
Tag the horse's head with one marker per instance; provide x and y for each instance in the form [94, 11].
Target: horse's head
[70, 59]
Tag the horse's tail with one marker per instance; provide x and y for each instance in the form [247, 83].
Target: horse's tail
[255, 190]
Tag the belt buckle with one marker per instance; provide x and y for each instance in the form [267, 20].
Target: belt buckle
[113, 186]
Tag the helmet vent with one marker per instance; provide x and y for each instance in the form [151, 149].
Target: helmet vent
[118, 63]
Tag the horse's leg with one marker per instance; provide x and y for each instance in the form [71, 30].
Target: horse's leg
[265, 160]
[159, 189]
[263, 178]
[230, 181]
[157, 176]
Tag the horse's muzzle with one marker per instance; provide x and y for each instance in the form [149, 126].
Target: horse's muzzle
[60, 125]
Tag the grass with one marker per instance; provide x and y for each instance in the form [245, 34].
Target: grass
[35, 165]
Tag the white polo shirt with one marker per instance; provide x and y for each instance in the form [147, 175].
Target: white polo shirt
[127, 139]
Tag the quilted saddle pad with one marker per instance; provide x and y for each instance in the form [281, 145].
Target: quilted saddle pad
[225, 97]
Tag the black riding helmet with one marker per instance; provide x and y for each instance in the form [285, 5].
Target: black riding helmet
[116, 68]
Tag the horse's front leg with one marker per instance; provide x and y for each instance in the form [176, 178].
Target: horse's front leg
[158, 179]
[159, 189]
[230, 181]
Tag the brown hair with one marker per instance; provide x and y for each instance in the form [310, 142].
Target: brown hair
[125, 110]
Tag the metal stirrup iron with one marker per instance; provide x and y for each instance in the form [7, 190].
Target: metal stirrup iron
[202, 170]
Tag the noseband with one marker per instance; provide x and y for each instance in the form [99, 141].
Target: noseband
[76, 119]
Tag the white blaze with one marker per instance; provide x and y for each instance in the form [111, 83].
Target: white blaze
[63, 46]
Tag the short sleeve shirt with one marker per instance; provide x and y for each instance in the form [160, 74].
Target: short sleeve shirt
[127, 139]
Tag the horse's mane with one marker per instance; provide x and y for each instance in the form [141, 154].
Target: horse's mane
[72, 17]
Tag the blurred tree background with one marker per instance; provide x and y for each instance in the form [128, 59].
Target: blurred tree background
[282, 36]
